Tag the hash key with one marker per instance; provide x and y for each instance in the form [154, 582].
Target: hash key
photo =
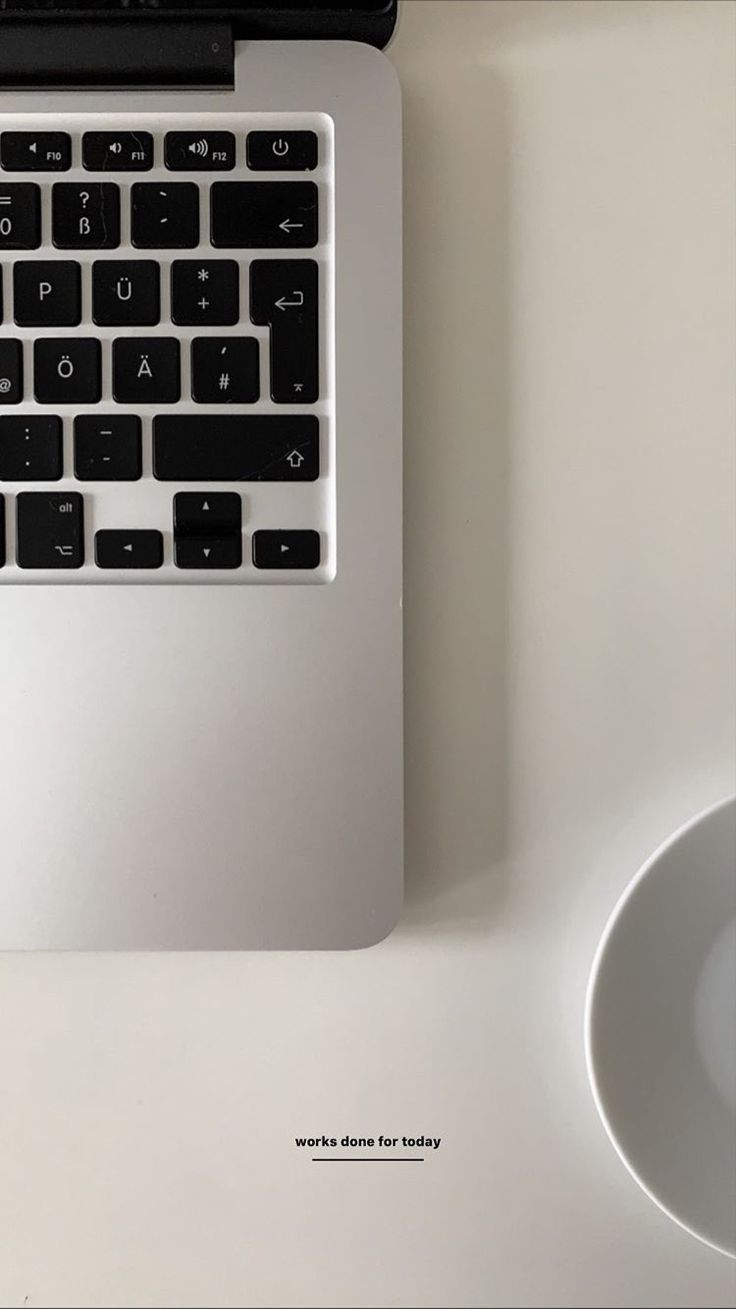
[50, 530]
[225, 370]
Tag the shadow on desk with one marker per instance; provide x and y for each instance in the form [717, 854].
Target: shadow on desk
[456, 515]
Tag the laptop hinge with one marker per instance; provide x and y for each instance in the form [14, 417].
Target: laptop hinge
[147, 53]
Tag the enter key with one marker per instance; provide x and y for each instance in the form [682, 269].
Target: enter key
[284, 297]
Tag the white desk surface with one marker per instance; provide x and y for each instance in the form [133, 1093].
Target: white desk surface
[569, 659]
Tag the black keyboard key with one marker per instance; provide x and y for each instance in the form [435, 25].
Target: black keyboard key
[1, 295]
[30, 448]
[117, 152]
[136, 549]
[259, 215]
[164, 215]
[29, 152]
[145, 370]
[208, 551]
[286, 549]
[197, 151]
[11, 371]
[207, 513]
[107, 448]
[20, 216]
[85, 215]
[204, 292]
[235, 448]
[66, 370]
[47, 293]
[284, 297]
[282, 151]
[225, 370]
[50, 529]
[126, 293]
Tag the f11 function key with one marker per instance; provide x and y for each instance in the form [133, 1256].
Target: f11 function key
[117, 152]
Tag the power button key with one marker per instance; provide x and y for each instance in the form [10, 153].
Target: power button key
[288, 152]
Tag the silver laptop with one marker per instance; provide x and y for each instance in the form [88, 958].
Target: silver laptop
[200, 477]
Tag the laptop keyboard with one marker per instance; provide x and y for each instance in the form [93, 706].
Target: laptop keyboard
[166, 406]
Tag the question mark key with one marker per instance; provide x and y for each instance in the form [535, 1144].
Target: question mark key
[85, 215]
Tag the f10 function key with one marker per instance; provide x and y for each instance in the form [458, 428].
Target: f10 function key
[36, 152]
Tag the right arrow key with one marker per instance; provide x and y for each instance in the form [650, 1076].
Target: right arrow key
[284, 296]
[297, 549]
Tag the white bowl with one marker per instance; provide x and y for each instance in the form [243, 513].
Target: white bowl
[660, 1027]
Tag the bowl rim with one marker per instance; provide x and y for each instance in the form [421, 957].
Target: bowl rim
[589, 1015]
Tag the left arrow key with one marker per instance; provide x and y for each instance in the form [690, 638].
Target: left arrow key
[136, 549]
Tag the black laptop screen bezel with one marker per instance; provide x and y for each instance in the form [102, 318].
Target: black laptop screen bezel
[369, 21]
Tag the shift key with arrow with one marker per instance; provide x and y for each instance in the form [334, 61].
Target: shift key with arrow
[284, 296]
